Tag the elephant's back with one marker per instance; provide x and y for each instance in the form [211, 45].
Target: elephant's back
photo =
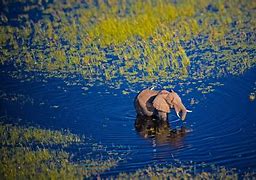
[145, 95]
[143, 100]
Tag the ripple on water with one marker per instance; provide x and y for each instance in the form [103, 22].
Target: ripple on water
[220, 133]
[224, 131]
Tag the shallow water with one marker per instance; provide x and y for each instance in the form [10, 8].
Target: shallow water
[221, 128]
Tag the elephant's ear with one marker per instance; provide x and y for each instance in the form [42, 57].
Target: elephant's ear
[160, 102]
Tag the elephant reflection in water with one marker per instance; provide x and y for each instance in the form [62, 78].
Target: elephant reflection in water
[150, 127]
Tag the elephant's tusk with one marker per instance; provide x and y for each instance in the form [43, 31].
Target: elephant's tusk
[178, 114]
[189, 111]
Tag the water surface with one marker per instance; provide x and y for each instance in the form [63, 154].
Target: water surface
[222, 126]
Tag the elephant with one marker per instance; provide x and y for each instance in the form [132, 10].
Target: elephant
[158, 103]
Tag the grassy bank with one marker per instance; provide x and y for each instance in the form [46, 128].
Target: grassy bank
[29, 152]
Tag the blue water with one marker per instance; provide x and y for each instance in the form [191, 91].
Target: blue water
[222, 126]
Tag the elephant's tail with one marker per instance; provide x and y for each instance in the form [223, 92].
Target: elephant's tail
[151, 88]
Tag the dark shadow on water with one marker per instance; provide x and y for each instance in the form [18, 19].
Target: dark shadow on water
[150, 127]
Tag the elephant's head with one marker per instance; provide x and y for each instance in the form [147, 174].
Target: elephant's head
[166, 100]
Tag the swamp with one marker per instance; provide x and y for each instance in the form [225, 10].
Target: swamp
[70, 70]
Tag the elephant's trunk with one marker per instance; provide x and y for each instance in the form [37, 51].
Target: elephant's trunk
[183, 111]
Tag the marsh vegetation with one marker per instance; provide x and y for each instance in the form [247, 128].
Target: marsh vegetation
[29, 152]
[121, 44]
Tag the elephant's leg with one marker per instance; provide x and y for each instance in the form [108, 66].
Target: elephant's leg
[162, 115]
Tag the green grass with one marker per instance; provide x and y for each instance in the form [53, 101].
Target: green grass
[183, 172]
[150, 40]
[12, 135]
[29, 152]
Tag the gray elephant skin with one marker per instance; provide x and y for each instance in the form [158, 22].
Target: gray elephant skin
[159, 103]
